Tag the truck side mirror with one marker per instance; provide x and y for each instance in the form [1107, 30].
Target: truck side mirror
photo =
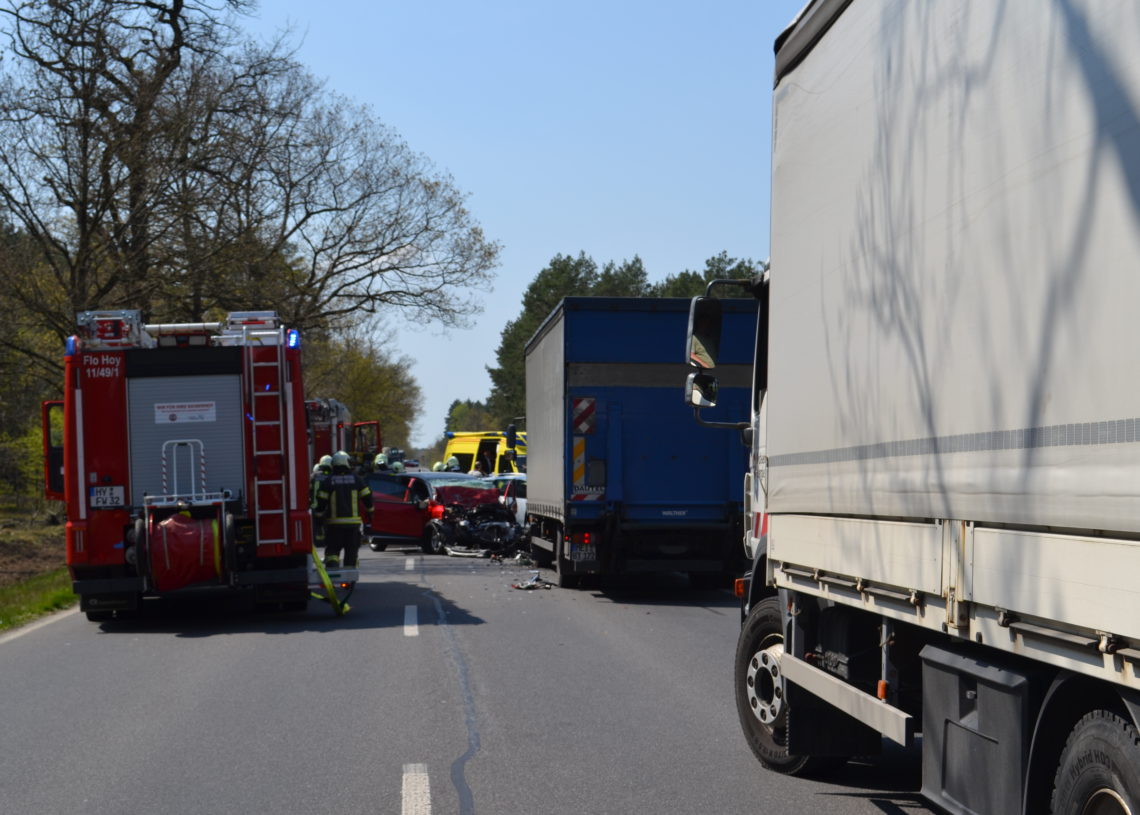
[703, 343]
[512, 437]
[701, 390]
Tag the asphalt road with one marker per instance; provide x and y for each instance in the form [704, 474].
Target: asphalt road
[443, 691]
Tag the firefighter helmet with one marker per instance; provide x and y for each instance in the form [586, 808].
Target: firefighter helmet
[397, 466]
[380, 459]
[437, 467]
[325, 463]
[340, 459]
[452, 465]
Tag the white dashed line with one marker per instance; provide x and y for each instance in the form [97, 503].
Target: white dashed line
[410, 564]
[416, 791]
[411, 624]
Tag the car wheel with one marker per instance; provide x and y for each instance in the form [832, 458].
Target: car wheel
[438, 541]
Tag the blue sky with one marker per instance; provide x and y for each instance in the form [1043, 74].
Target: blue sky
[617, 128]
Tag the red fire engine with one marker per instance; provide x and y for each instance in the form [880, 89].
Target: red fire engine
[184, 460]
[329, 423]
[331, 428]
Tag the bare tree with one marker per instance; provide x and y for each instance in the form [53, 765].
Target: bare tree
[316, 209]
[156, 161]
[78, 170]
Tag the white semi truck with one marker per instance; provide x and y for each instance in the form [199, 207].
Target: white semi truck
[944, 490]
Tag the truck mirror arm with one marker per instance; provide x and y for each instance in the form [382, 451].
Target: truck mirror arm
[753, 285]
[722, 425]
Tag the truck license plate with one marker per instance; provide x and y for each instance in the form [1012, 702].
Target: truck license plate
[107, 496]
[581, 551]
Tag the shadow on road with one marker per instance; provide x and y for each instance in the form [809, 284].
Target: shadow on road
[661, 589]
[889, 781]
[373, 605]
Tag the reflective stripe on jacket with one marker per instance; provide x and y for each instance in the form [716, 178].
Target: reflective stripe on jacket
[338, 498]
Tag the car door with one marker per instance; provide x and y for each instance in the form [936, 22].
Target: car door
[393, 514]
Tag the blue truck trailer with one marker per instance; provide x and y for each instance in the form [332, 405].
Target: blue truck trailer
[620, 478]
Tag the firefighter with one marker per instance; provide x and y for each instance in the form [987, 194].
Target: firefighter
[452, 465]
[322, 468]
[337, 503]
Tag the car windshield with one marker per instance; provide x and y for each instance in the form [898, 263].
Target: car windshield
[392, 485]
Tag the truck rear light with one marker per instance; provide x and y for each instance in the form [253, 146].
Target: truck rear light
[738, 586]
[581, 538]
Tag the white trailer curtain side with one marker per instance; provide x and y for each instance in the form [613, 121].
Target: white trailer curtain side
[955, 250]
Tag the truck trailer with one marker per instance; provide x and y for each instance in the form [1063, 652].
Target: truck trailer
[945, 460]
[184, 460]
[618, 478]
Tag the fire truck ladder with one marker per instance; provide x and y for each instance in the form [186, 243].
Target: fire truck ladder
[264, 367]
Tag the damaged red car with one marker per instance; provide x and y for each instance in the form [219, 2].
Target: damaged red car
[410, 508]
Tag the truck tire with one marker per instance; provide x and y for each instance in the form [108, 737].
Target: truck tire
[760, 702]
[1099, 770]
[566, 579]
[379, 546]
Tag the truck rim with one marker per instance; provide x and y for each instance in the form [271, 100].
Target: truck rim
[765, 683]
[1106, 802]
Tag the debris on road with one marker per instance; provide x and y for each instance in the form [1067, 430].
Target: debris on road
[535, 582]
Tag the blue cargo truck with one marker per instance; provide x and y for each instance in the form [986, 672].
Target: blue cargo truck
[620, 478]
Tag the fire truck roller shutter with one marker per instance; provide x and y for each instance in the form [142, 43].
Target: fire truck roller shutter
[207, 409]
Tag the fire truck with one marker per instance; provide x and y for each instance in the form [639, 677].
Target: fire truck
[331, 428]
[183, 460]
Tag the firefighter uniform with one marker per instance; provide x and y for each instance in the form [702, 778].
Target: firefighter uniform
[320, 470]
[336, 503]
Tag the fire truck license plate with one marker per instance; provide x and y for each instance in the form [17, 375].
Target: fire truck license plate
[107, 496]
[581, 551]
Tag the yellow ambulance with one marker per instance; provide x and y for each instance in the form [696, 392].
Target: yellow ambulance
[493, 446]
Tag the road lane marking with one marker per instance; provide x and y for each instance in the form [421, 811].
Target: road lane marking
[416, 790]
[411, 622]
[410, 564]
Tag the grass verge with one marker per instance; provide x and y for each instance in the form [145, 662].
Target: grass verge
[24, 601]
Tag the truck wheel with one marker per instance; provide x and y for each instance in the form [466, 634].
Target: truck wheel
[760, 700]
[1099, 771]
[377, 546]
[566, 579]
